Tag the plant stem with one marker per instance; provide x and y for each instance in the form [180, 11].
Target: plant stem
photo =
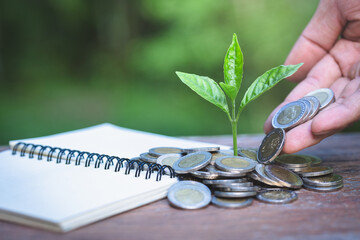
[234, 132]
[234, 121]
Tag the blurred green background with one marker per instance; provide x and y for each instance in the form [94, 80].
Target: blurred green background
[71, 64]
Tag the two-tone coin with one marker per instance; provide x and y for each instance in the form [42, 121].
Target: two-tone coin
[146, 157]
[192, 162]
[277, 196]
[201, 149]
[315, 160]
[293, 161]
[315, 171]
[325, 96]
[271, 146]
[231, 203]
[221, 153]
[168, 159]
[235, 164]
[189, 195]
[158, 151]
[324, 181]
[248, 152]
[262, 177]
[284, 176]
[289, 115]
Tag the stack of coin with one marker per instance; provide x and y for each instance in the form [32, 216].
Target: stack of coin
[303, 110]
[235, 180]
[315, 176]
[326, 183]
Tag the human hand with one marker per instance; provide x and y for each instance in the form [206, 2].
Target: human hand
[329, 62]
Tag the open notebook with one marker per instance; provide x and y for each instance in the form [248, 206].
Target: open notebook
[62, 195]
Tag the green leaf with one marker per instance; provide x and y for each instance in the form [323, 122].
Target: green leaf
[266, 81]
[233, 67]
[206, 88]
[229, 90]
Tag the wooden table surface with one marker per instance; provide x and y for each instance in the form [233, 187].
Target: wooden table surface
[334, 215]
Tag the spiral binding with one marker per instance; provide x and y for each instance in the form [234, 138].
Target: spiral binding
[87, 158]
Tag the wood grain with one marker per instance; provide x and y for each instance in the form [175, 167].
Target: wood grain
[334, 215]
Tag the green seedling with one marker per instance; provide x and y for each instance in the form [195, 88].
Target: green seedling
[233, 73]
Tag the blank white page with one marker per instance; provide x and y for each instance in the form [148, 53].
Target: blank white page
[58, 193]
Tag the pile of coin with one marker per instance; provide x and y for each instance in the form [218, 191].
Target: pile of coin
[303, 110]
[235, 180]
[262, 173]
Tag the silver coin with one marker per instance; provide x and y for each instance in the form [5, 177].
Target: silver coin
[284, 176]
[231, 203]
[224, 181]
[168, 159]
[324, 181]
[238, 189]
[325, 96]
[289, 115]
[201, 149]
[205, 174]
[271, 146]
[297, 170]
[211, 168]
[277, 196]
[234, 194]
[158, 151]
[316, 171]
[323, 189]
[255, 176]
[146, 157]
[235, 164]
[192, 162]
[235, 185]
[189, 195]
[315, 106]
[262, 177]
[248, 153]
